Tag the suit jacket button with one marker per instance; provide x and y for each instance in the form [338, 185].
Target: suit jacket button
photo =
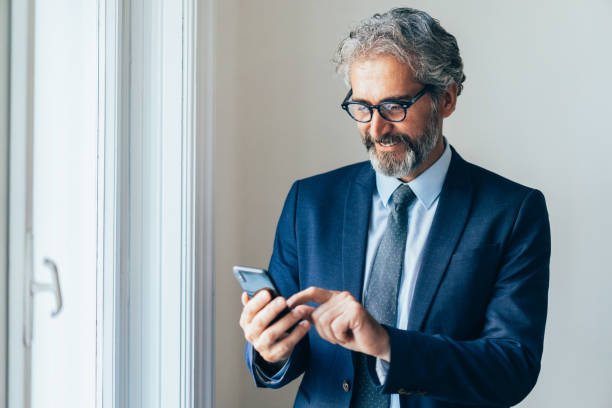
[404, 392]
[346, 386]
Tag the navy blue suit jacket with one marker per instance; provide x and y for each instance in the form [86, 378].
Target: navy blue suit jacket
[476, 325]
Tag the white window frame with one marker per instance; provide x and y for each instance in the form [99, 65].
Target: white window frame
[4, 129]
[147, 139]
[20, 192]
[173, 142]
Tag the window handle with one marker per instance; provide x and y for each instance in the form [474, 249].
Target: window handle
[50, 287]
[32, 287]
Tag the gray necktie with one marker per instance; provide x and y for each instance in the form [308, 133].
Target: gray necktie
[380, 298]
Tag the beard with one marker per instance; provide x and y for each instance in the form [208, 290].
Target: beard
[401, 163]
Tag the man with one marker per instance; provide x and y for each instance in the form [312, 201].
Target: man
[425, 277]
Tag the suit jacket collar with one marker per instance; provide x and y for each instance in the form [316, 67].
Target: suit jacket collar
[451, 215]
[357, 210]
[446, 229]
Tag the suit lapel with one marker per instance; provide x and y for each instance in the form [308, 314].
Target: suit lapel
[449, 221]
[357, 210]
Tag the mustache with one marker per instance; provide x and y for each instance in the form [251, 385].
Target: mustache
[387, 138]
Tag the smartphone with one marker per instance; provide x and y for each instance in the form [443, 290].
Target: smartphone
[254, 280]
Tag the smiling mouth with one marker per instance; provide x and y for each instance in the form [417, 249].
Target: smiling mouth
[389, 141]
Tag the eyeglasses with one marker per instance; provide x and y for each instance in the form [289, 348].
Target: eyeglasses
[393, 111]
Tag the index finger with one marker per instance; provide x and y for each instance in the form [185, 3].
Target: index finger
[312, 294]
[255, 304]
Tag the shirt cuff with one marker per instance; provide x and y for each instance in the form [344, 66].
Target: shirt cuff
[382, 369]
[266, 378]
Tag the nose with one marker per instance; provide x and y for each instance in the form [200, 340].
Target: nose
[378, 125]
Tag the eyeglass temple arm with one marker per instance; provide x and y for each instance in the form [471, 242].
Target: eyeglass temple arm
[417, 96]
[347, 97]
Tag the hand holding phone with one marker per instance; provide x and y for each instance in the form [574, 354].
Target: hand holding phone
[266, 321]
[254, 280]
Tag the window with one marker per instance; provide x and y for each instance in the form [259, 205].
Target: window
[147, 146]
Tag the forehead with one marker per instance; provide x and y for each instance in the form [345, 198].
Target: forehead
[376, 78]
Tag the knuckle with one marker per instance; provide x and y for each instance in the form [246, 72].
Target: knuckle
[278, 305]
[247, 314]
[325, 319]
[250, 338]
[242, 322]
[257, 323]
[301, 308]
[266, 338]
[321, 333]
[282, 350]
[253, 330]
[257, 343]
[296, 313]
[260, 296]
[249, 306]
[355, 308]
[345, 294]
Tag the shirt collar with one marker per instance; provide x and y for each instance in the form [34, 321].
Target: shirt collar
[427, 186]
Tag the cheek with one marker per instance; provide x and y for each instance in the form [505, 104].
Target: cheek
[412, 126]
[363, 129]
[418, 119]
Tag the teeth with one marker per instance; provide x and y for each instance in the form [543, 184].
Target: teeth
[387, 144]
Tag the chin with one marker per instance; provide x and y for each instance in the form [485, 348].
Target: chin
[393, 164]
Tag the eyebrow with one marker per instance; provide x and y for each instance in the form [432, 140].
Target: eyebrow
[387, 99]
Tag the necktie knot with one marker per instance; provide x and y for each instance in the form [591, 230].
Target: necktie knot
[402, 197]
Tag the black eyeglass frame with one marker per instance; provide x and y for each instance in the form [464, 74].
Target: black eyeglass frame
[404, 104]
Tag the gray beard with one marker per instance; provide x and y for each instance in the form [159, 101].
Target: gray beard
[394, 164]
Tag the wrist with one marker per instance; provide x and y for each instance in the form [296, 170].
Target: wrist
[267, 367]
[384, 351]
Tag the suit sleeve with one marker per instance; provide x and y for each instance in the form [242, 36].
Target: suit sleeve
[501, 366]
[284, 271]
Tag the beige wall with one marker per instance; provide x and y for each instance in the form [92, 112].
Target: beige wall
[535, 108]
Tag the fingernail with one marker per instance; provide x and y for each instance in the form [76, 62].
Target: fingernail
[304, 323]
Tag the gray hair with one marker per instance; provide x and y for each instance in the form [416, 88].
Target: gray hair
[414, 38]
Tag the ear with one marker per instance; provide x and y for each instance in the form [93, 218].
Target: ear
[448, 100]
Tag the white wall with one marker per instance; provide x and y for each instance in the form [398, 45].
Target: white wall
[535, 108]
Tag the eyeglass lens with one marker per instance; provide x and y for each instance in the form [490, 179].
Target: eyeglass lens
[389, 110]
